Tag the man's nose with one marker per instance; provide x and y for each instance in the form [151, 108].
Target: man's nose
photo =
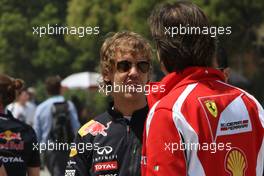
[133, 71]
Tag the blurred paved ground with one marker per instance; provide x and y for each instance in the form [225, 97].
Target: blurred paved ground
[44, 172]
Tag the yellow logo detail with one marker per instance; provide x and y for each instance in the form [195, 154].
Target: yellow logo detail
[9, 135]
[73, 152]
[82, 131]
[236, 163]
[212, 108]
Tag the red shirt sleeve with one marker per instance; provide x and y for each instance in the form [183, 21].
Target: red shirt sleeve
[161, 153]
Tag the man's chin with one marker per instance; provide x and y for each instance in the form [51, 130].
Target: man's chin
[133, 95]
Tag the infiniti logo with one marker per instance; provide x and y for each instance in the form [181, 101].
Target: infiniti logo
[104, 150]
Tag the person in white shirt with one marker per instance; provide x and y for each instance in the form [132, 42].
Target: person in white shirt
[22, 109]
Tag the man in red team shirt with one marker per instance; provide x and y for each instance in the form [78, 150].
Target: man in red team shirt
[200, 125]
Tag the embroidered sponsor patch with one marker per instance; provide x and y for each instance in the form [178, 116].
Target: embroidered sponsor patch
[105, 150]
[11, 140]
[11, 159]
[82, 132]
[156, 168]
[94, 128]
[227, 114]
[212, 108]
[9, 135]
[236, 162]
[105, 166]
[234, 119]
[73, 152]
[104, 158]
[234, 125]
[69, 172]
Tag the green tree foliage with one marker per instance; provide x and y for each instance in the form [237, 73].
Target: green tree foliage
[135, 15]
[28, 56]
[244, 17]
[109, 16]
[14, 54]
[92, 13]
[32, 58]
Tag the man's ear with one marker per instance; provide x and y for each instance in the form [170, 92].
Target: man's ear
[162, 67]
[106, 76]
[227, 73]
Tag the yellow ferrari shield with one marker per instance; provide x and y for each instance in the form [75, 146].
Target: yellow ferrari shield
[212, 108]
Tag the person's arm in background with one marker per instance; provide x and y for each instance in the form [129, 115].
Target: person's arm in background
[33, 171]
[74, 120]
[2, 170]
[31, 109]
[37, 125]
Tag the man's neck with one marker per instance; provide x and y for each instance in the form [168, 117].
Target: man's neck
[127, 108]
[22, 103]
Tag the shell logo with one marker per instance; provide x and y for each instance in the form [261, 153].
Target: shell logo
[236, 162]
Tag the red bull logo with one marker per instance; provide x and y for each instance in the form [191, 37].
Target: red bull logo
[97, 128]
[9, 135]
[94, 128]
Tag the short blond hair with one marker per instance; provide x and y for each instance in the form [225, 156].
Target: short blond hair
[123, 42]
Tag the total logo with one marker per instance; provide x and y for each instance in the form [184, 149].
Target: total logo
[105, 166]
[11, 159]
